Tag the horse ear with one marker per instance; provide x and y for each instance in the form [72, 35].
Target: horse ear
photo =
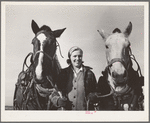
[102, 33]
[57, 33]
[35, 27]
[128, 30]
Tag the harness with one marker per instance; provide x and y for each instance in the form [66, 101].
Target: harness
[128, 98]
[27, 80]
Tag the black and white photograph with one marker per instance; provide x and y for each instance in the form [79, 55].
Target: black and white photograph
[74, 61]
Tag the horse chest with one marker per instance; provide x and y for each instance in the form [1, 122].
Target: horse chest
[120, 102]
[126, 101]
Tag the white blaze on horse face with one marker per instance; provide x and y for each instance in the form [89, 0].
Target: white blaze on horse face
[116, 44]
[39, 68]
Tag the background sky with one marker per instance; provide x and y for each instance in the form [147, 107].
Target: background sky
[81, 23]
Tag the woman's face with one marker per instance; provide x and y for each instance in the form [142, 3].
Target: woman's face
[76, 58]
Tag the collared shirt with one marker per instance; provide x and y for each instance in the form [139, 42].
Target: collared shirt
[76, 72]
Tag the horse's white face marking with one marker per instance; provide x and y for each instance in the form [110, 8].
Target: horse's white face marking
[39, 68]
[116, 47]
[41, 38]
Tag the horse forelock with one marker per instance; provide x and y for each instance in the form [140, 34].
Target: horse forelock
[46, 28]
[116, 38]
[116, 30]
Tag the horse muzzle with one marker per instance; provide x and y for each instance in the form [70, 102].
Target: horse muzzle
[117, 70]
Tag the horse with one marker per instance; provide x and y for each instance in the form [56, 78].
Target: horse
[36, 84]
[120, 87]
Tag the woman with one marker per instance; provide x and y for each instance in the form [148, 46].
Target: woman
[77, 83]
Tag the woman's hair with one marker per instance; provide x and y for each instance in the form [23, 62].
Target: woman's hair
[68, 61]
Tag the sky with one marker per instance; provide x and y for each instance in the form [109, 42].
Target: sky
[81, 23]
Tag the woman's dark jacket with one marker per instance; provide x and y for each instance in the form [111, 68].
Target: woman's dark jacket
[67, 76]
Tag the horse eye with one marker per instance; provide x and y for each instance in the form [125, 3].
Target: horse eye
[106, 46]
[33, 41]
[128, 46]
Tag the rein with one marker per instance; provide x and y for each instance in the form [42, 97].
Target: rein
[42, 91]
[112, 91]
[59, 48]
[51, 58]
[38, 52]
[45, 91]
[24, 63]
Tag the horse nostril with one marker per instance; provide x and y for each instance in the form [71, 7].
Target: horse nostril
[114, 74]
[125, 74]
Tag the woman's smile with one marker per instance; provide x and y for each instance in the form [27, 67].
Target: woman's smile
[76, 58]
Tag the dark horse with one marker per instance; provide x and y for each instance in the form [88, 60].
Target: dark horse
[120, 87]
[35, 85]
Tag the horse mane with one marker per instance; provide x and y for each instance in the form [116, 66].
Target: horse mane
[46, 28]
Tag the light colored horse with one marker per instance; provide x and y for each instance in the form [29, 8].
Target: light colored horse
[118, 57]
[121, 79]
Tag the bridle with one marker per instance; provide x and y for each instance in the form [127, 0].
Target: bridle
[121, 60]
[117, 96]
[49, 78]
[51, 58]
[33, 59]
[126, 65]
[128, 94]
[112, 91]
[41, 63]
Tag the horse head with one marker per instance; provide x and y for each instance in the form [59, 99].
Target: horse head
[44, 48]
[118, 54]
